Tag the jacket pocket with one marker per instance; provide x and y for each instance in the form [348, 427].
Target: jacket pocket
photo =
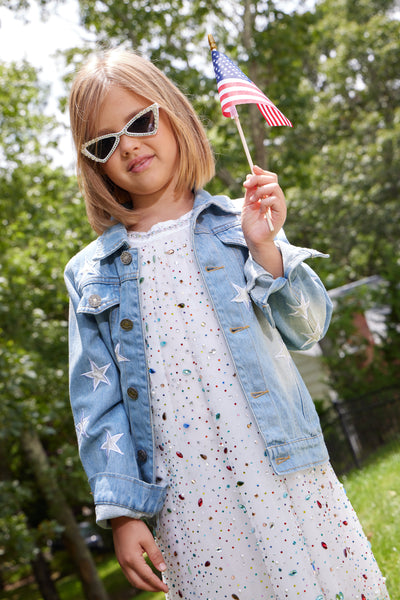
[98, 297]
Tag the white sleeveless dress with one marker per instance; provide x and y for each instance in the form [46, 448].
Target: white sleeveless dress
[230, 527]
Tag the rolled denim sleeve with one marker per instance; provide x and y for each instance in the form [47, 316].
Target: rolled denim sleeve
[297, 303]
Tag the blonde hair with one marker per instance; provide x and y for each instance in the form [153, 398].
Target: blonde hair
[106, 202]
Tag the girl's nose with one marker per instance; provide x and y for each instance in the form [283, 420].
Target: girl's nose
[127, 144]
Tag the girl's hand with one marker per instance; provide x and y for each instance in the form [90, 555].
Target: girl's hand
[132, 538]
[262, 193]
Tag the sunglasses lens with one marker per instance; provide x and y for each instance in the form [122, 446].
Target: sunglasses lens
[144, 124]
[102, 148]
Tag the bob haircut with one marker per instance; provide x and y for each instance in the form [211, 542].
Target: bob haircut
[107, 203]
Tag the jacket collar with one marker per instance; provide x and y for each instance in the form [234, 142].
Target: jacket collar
[203, 200]
[110, 241]
[116, 237]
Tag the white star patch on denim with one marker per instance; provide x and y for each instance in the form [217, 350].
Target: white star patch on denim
[241, 296]
[98, 374]
[110, 445]
[81, 428]
[118, 355]
[301, 310]
[314, 336]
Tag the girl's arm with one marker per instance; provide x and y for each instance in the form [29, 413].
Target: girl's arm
[107, 447]
[288, 292]
[132, 538]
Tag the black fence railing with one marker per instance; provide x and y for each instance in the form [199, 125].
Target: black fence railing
[356, 428]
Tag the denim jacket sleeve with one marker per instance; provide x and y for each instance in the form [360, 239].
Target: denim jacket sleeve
[102, 424]
[297, 303]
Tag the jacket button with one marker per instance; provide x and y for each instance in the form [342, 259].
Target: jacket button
[126, 324]
[132, 393]
[142, 456]
[126, 258]
[94, 300]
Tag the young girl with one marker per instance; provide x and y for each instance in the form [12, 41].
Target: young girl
[193, 423]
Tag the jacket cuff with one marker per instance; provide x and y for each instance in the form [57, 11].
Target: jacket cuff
[292, 257]
[106, 512]
[117, 495]
[261, 284]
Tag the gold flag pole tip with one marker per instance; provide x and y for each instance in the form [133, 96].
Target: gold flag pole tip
[211, 41]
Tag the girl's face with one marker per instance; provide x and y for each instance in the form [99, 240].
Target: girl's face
[145, 166]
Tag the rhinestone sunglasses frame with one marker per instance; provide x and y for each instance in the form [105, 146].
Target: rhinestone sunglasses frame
[154, 108]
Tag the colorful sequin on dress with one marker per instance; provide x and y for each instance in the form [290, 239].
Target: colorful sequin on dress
[230, 527]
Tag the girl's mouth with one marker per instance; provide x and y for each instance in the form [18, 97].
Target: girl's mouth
[139, 164]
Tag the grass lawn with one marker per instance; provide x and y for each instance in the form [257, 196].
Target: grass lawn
[374, 492]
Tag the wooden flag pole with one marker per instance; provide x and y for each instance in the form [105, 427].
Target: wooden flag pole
[235, 117]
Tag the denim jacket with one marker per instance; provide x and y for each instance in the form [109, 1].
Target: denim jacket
[109, 383]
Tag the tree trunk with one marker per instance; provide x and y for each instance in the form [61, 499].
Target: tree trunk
[42, 573]
[92, 585]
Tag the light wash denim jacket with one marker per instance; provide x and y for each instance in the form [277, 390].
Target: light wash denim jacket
[109, 382]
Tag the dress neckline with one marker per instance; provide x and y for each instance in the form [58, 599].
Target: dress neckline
[162, 226]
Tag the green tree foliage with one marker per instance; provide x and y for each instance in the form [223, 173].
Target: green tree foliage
[347, 203]
[42, 220]
[345, 200]
[353, 200]
[41, 215]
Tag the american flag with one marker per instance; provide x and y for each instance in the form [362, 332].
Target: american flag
[235, 88]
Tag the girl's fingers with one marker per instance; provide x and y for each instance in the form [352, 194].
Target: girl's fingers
[257, 181]
[270, 190]
[156, 557]
[260, 177]
[258, 170]
[144, 578]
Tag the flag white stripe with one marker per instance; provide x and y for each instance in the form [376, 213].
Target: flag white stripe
[274, 114]
[271, 117]
[242, 90]
[250, 90]
[232, 80]
[242, 99]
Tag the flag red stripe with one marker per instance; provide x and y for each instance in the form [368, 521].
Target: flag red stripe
[241, 99]
[242, 88]
[274, 115]
[238, 91]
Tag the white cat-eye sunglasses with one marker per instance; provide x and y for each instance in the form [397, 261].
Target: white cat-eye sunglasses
[145, 123]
